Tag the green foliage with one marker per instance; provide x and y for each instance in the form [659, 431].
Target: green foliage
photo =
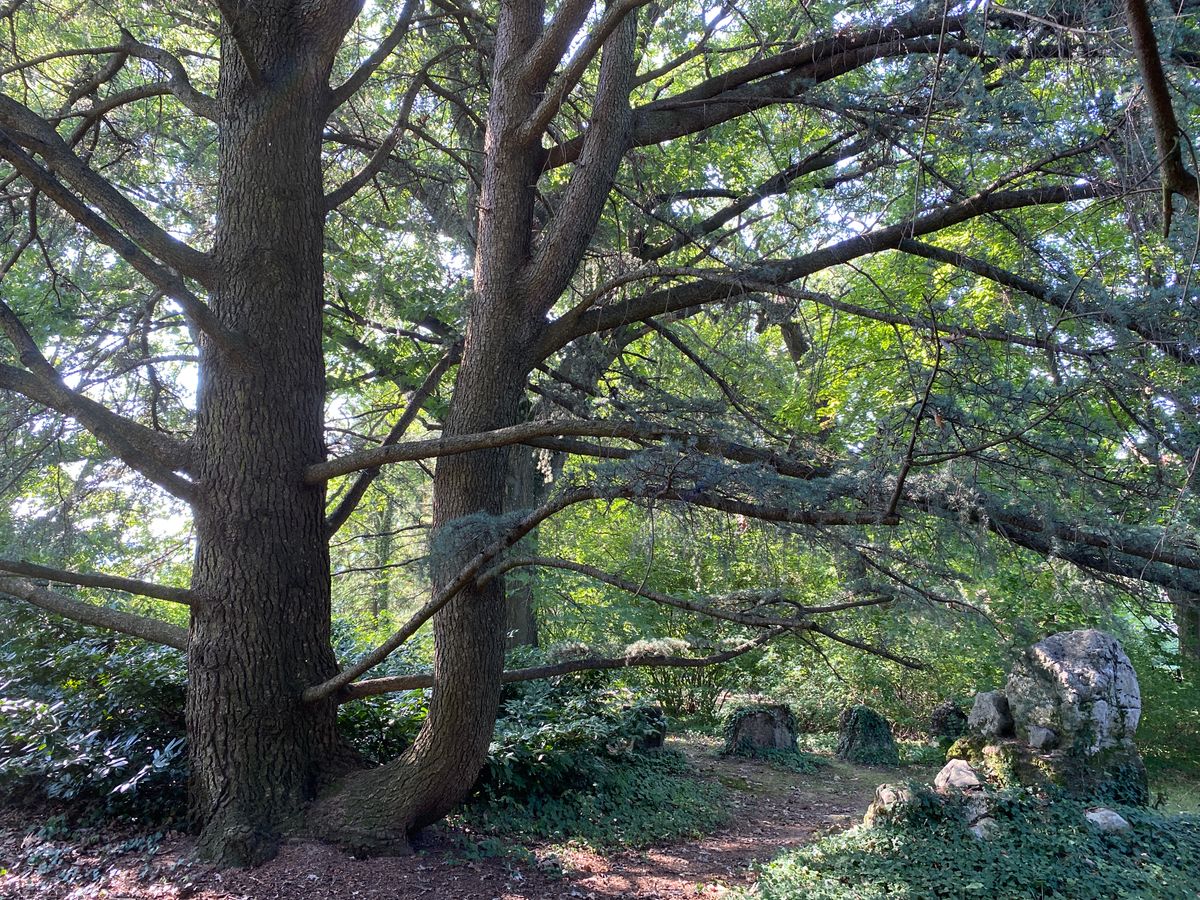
[91, 720]
[562, 766]
[865, 738]
[1039, 851]
[627, 799]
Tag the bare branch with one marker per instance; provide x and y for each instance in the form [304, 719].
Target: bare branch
[435, 603]
[378, 686]
[98, 580]
[155, 455]
[351, 85]
[416, 403]
[530, 431]
[153, 630]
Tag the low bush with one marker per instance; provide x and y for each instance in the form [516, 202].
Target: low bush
[1038, 852]
[91, 720]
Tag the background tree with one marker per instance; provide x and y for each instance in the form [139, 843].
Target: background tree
[881, 276]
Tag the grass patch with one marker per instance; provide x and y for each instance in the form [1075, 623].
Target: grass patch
[631, 800]
[1040, 852]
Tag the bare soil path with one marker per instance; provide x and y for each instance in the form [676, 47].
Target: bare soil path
[770, 810]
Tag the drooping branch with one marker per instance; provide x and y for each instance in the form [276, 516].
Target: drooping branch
[466, 576]
[1179, 348]
[162, 277]
[152, 630]
[31, 131]
[98, 580]
[157, 456]
[376, 686]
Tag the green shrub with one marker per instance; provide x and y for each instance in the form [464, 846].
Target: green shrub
[91, 720]
[1038, 852]
[628, 799]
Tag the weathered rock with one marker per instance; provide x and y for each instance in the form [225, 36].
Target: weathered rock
[865, 738]
[649, 727]
[1081, 686]
[990, 715]
[893, 803]
[1107, 820]
[767, 727]
[947, 721]
[957, 775]
[985, 829]
[1042, 738]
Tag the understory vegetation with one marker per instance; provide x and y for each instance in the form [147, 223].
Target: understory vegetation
[1041, 850]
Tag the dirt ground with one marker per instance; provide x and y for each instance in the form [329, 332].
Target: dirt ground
[771, 810]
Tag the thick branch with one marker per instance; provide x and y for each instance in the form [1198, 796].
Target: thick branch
[181, 85]
[96, 580]
[569, 233]
[581, 321]
[147, 629]
[1168, 136]
[378, 686]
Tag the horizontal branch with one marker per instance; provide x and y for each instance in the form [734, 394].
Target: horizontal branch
[152, 630]
[533, 431]
[98, 580]
[376, 686]
[581, 321]
[468, 574]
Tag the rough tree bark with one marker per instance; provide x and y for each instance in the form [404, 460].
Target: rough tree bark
[257, 753]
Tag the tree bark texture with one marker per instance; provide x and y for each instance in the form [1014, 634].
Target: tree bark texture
[256, 751]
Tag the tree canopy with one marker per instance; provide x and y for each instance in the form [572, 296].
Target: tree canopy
[527, 299]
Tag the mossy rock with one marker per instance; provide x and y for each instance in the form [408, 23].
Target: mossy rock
[750, 730]
[1115, 775]
[865, 738]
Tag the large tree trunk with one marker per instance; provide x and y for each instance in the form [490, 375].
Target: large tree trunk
[262, 565]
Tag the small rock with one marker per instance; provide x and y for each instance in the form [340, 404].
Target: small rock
[990, 716]
[1107, 820]
[957, 775]
[892, 802]
[985, 829]
[1042, 738]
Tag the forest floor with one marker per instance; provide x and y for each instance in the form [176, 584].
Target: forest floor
[770, 809]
